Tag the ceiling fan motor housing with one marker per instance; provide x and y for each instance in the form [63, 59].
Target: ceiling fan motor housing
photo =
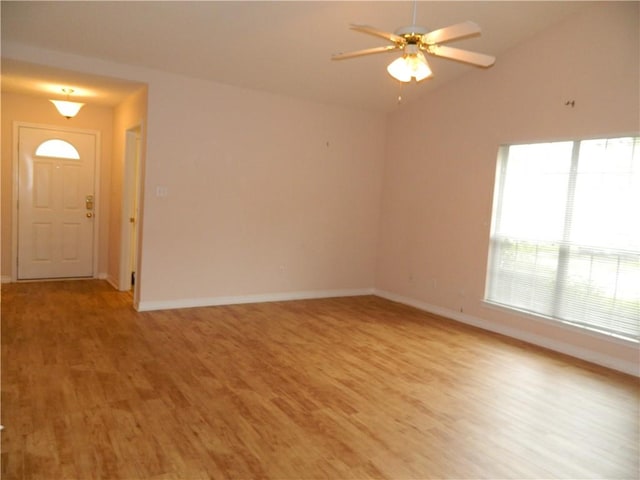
[412, 33]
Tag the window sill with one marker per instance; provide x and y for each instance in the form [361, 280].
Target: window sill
[568, 326]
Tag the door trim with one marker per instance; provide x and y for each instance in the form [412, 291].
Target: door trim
[14, 199]
[131, 185]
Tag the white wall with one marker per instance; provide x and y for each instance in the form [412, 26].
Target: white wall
[438, 180]
[269, 195]
[265, 195]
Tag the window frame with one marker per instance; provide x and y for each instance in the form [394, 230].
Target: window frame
[564, 246]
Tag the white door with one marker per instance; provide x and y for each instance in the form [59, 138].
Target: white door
[56, 203]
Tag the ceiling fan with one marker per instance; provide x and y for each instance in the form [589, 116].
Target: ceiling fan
[413, 40]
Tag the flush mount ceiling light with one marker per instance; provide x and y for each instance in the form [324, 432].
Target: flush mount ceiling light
[67, 108]
[415, 41]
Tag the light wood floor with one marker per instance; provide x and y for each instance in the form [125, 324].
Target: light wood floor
[347, 388]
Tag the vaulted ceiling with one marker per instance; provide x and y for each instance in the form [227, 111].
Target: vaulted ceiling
[279, 47]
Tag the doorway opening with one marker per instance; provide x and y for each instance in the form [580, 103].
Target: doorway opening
[130, 211]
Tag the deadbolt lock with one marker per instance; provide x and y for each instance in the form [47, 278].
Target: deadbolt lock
[89, 202]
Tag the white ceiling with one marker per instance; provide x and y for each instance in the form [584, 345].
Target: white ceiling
[279, 47]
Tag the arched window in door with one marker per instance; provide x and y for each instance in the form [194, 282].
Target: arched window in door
[56, 148]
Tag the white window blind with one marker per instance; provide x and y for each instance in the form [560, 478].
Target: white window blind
[565, 235]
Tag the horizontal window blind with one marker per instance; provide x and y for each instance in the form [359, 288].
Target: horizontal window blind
[565, 235]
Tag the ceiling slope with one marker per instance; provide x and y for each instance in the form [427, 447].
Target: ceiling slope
[279, 47]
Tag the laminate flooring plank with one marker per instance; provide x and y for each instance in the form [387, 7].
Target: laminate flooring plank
[344, 388]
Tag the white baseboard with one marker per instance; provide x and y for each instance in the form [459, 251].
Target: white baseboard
[630, 368]
[5, 279]
[145, 306]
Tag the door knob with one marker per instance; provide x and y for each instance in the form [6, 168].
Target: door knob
[89, 214]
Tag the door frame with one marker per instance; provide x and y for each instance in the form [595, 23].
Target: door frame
[132, 184]
[15, 191]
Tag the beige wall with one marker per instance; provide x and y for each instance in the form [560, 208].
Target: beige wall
[438, 181]
[24, 108]
[265, 194]
[268, 195]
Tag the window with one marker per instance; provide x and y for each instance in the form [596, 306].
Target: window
[565, 235]
[56, 148]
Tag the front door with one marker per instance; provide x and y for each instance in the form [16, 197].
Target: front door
[56, 203]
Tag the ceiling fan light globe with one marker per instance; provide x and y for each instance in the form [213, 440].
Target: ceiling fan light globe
[410, 66]
[420, 68]
[399, 70]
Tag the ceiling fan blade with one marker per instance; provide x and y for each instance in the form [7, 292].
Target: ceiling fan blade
[368, 51]
[452, 32]
[392, 37]
[474, 58]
